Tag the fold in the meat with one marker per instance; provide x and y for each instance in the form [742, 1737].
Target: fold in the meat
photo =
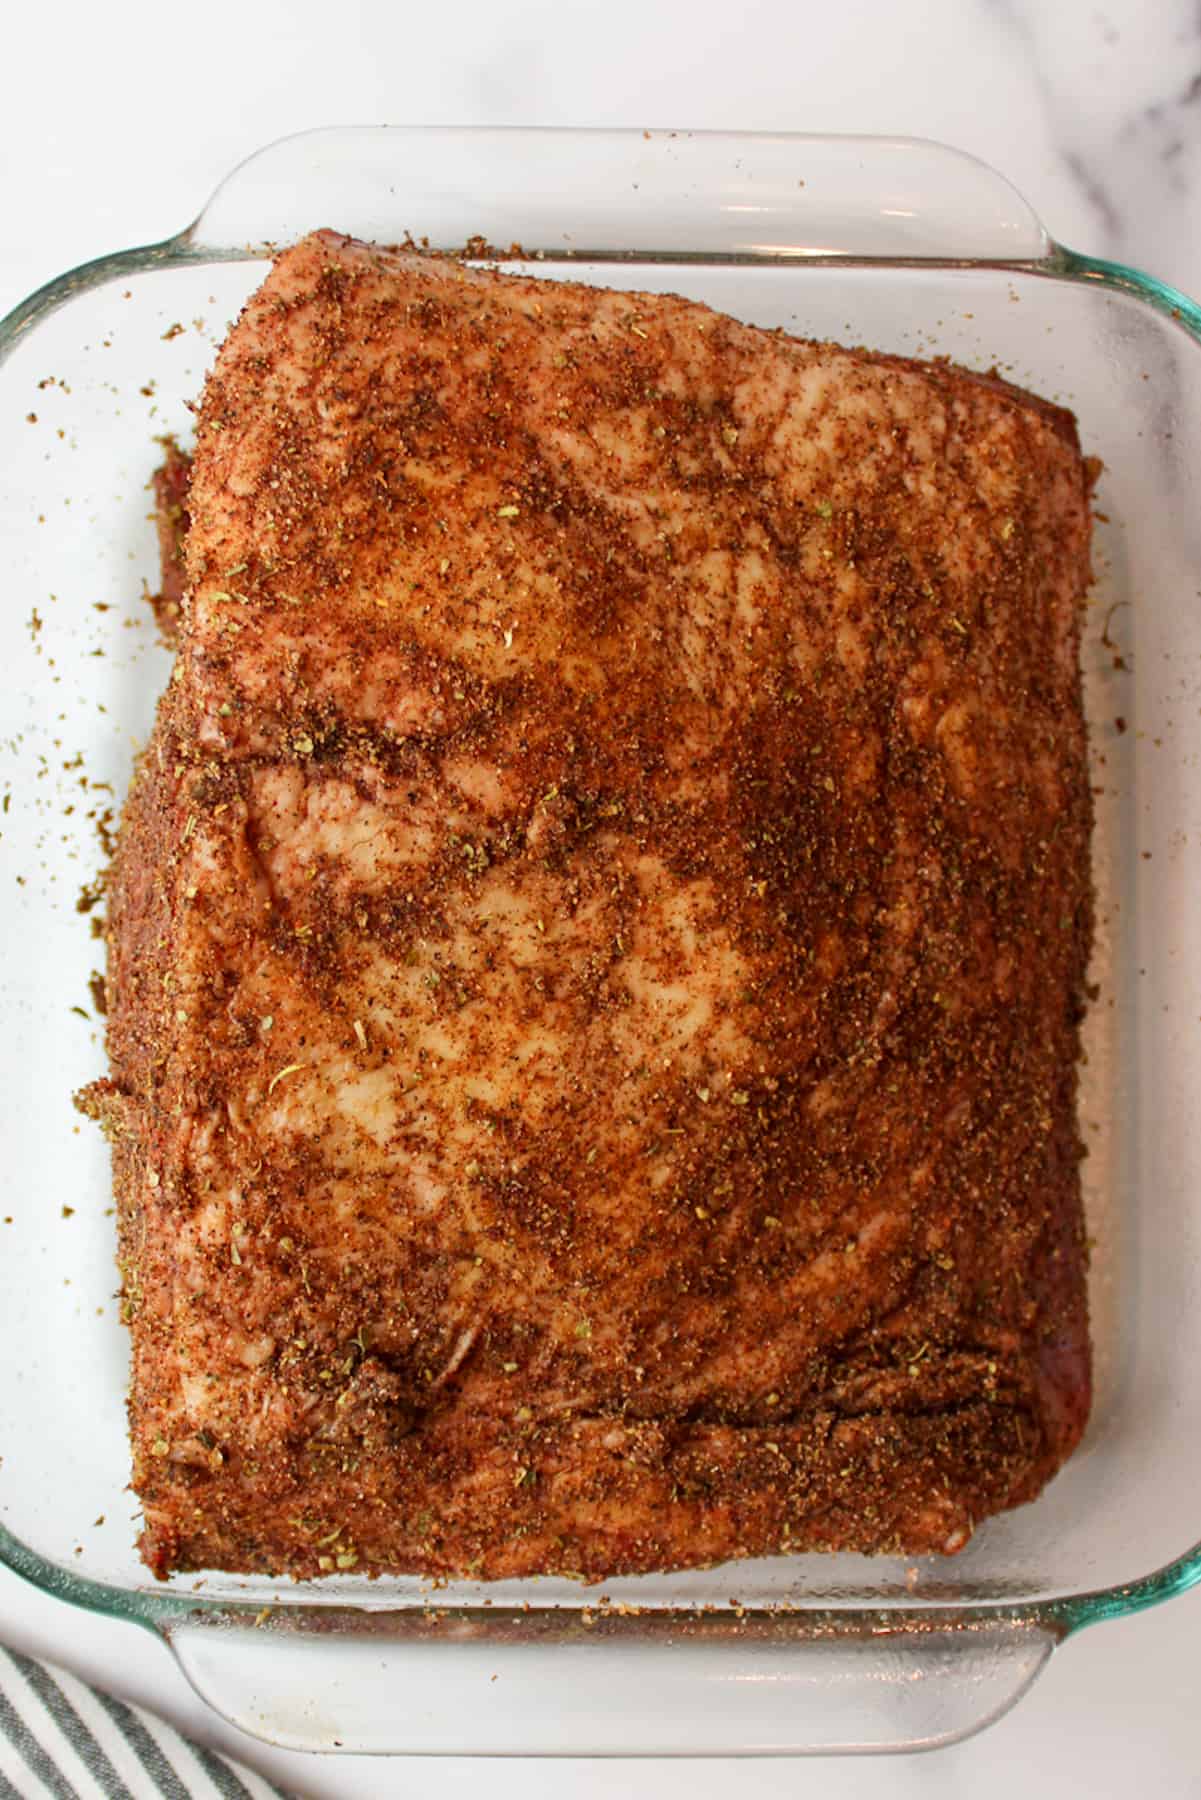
[170, 484]
[596, 943]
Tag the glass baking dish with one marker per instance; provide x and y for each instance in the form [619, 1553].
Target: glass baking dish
[898, 244]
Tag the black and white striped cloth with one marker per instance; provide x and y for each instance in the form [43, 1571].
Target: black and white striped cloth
[59, 1738]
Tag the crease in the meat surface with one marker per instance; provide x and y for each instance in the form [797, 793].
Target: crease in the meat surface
[584, 1005]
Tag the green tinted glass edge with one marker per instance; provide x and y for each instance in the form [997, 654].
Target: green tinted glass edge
[1121, 278]
[159, 1612]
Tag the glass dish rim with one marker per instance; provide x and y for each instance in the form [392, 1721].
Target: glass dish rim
[1058, 1616]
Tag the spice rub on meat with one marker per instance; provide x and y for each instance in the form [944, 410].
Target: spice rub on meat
[597, 942]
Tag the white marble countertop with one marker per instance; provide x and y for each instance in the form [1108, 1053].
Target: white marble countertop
[116, 123]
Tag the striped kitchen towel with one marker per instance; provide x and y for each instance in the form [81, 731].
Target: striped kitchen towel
[60, 1738]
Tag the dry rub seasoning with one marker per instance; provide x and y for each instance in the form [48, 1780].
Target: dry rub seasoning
[596, 942]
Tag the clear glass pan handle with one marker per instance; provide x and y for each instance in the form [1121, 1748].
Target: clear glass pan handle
[661, 1686]
[580, 193]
